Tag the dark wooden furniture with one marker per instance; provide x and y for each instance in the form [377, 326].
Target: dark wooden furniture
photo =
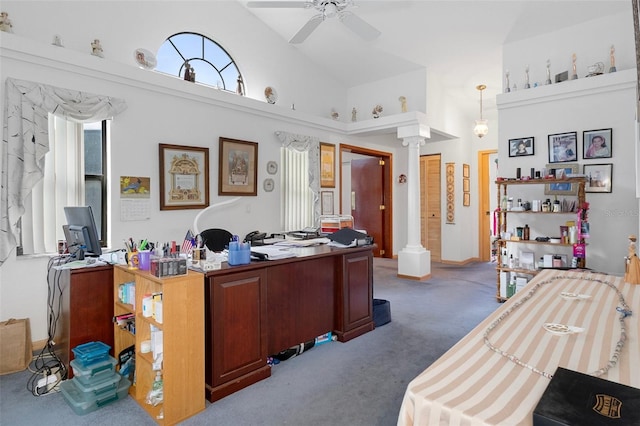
[256, 310]
[83, 299]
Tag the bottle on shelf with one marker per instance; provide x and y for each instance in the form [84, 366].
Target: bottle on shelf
[511, 287]
[526, 232]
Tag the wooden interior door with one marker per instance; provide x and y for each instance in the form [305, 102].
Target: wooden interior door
[367, 198]
[487, 201]
[430, 205]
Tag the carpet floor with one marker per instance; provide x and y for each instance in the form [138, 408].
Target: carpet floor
[361, 382]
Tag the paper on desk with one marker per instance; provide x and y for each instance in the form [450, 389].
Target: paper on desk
[273, 252]
[301, 243]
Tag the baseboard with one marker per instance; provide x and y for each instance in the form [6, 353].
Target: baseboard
[460, 262]
[38, 345]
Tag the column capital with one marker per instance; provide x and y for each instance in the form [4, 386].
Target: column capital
[413, 141]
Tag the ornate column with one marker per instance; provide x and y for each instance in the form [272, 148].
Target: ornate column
[414, 261]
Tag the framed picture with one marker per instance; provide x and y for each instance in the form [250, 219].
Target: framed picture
[561, 171]
[327, 165]
[184, 177]
[237, 171]
[597, 143]
[465, 170]
[465, 185]
[326, 202]
[466, 199]
[598, 177]
[521, 147]
[563, 147]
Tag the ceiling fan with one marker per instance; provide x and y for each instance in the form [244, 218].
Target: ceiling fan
[327, 9]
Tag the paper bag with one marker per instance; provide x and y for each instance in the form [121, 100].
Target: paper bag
[15, 345]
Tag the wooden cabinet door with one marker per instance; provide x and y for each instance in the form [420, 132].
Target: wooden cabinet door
[235, 322]
[301, 302]
[354, 307]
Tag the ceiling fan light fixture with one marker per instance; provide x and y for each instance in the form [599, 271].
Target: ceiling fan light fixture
[482, 127]
[330, 10]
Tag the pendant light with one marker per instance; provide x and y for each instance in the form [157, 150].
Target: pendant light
[481, 127]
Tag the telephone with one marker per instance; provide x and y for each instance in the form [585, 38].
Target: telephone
[255, 236]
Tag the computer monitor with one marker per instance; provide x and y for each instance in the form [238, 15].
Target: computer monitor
[81, 232]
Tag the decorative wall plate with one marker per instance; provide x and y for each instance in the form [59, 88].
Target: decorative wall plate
[272, 167]
[268, 184]
[145, 59]
[270, 94]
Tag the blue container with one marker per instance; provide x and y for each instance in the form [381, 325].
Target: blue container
[91, 352]
[239, 253]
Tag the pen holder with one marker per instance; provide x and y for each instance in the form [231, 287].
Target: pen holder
[144, 260]
[239, 253]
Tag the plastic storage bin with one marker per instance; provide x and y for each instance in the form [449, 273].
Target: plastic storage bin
[95, 373]
[91, 352]
[84, 400]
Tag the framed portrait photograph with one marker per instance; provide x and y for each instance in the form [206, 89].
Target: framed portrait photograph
[598, 177]
[466, 185]
[561, 171]
[597, 143]
[563, 147]
[465, 170]
[184, 177]
[466, 199]
[521, 147]
[327, 165]
[237, 171]
[326, 202]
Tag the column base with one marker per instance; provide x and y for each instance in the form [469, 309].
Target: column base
[414, 263]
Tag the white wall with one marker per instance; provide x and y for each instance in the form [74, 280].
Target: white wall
[411, 85]
[606, 101]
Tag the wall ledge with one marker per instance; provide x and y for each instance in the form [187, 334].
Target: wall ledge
[584, 86]
[29, 51]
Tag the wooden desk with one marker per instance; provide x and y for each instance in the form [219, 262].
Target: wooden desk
[256, 310]
[473, 385]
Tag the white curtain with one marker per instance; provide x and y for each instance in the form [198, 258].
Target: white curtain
[62, 185]
[300, 181]
[25, 142]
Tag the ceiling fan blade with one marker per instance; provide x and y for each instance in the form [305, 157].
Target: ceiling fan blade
[281, 4]
[307, 29]
[359, 26]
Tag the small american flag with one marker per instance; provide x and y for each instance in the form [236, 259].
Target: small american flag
[187, 244]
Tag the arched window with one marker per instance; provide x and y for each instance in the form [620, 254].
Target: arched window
[212, 64]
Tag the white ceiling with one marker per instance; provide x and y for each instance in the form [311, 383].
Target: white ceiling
[459, 39]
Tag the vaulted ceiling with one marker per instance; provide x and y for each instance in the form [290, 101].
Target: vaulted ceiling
[459, 39]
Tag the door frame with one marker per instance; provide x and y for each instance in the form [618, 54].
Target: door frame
[484, 229]
[387, 182]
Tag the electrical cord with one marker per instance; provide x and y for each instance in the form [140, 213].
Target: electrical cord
[47, 363]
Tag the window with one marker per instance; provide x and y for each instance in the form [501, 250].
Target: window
[297, 196]
[212, 64]
[299, 155]
[75, 175]
[95, 174]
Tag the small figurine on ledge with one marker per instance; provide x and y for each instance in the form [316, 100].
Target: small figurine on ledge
[403, 103]
[377, 111]
[632, 267]
[5, 22]
[96, 48]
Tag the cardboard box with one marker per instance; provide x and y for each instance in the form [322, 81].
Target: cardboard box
[574, 398]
